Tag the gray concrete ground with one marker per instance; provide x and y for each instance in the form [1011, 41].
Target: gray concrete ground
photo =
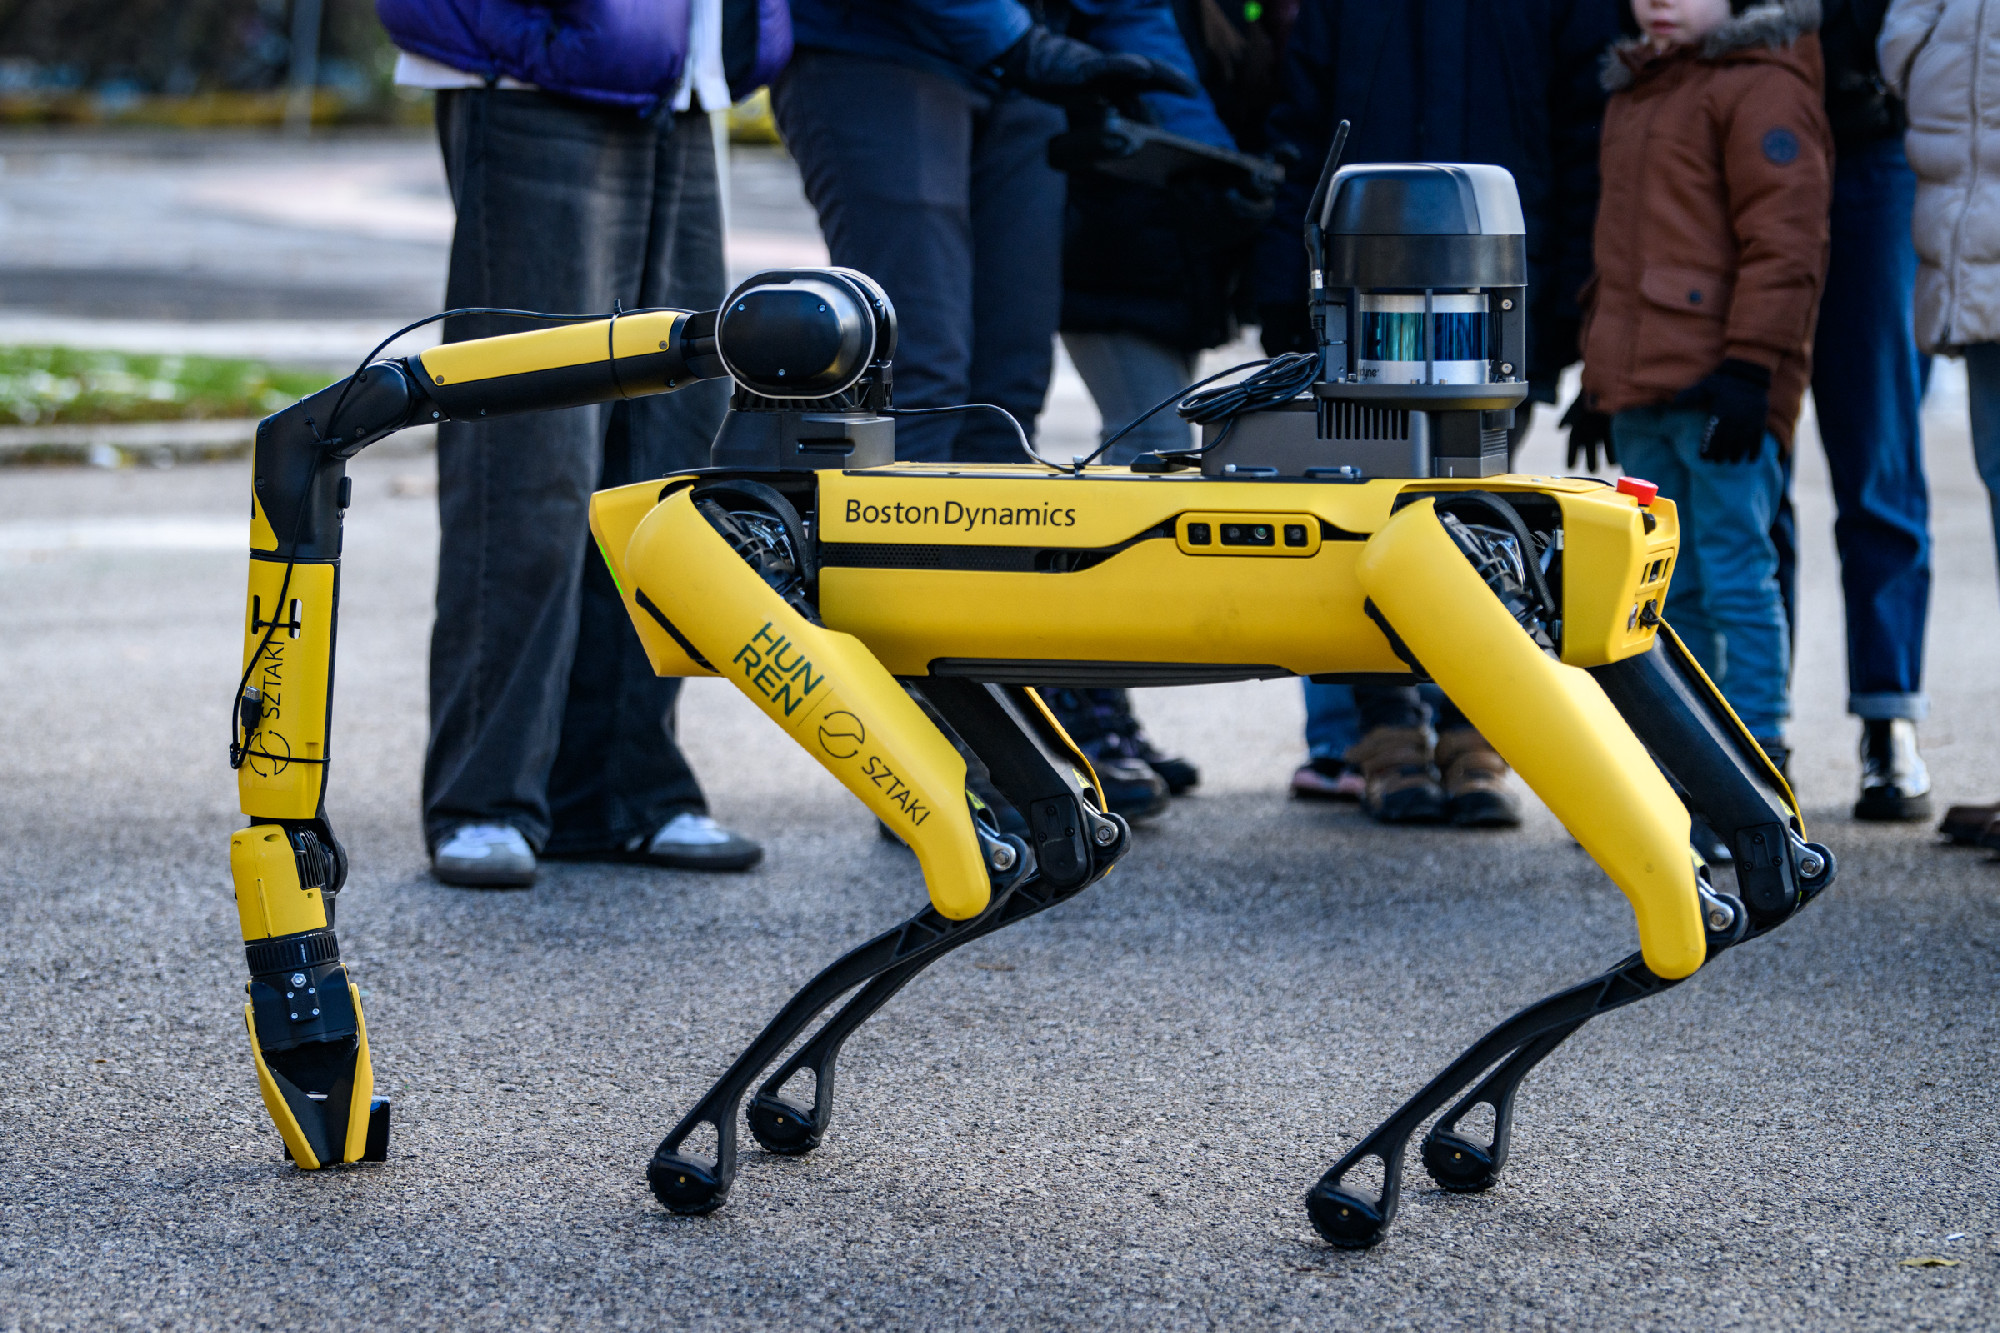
[1104, 1117]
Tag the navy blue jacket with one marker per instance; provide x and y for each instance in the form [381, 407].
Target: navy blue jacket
[1510, 82]
[960, 38]
[626, 53]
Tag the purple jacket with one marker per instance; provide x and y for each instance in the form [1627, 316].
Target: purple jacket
[627, 53]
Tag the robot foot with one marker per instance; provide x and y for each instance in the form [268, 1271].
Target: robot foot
[690, 1184]
[1353, 1219]
[1461, 1164]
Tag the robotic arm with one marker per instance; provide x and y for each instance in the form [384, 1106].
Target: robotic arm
[809, 334]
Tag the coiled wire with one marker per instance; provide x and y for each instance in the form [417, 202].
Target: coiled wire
[1277, 379]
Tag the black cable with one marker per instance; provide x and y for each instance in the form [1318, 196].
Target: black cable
[1019, 434]
[239, 752]
[611, 348]
[1281, 379]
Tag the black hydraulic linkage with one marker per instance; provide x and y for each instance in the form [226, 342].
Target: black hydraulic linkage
[791, 1128]
[1454, 1160]
[1071, 845]
[688, 1183]
[1350, 1217]
[1002, 727]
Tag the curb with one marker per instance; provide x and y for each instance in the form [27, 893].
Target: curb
[161, 443]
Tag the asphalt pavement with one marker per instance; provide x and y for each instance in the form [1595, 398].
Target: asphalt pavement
[1107, 1116]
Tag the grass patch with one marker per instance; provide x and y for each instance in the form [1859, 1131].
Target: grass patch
[42, 386]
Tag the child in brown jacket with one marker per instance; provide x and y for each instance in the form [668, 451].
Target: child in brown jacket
[1710, 248]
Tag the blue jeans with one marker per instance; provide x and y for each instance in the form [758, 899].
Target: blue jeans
[1724, 601]
[1338, 715]
[1332, 722]
[1982, 374]
[1868, 381]
[945, 196]
[544, 712]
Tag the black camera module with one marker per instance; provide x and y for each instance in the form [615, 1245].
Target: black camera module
[1247, 534]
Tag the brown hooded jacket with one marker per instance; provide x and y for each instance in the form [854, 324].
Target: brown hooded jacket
[1711, 235]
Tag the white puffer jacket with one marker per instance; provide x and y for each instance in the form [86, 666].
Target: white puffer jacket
[1943, 58]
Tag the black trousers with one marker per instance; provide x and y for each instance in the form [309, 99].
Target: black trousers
[544, 712]
[945, 196]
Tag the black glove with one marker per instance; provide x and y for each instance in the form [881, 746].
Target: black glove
[1737, 398]
[1588, 433]
[1286, 326]
[1061, 69]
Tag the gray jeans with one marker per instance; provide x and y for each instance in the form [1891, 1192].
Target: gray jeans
[1126, 374]
[544, 712]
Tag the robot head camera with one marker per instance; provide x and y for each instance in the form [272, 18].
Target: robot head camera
[806, 333]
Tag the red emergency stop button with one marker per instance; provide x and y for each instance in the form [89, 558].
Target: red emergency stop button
[1642, 491]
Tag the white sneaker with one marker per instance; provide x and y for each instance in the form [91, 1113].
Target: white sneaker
[485, 856]
[691, 841]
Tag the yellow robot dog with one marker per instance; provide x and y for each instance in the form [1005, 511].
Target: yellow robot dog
[1347, 516]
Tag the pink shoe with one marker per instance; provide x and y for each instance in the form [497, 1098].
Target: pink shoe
[1328, 780]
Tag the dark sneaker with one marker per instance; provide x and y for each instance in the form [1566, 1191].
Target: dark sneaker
[1895, 785]
[1131, 787]
[1400, 786]
[1180, 775]
[484, 856]
[1102, 724]
[691, 841]
[1475, 781]
[1990, 838]
[1328, 780]
[1965, 824]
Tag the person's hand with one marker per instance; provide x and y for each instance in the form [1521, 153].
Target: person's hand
[1061, 69]
[1737, 398]
[1285, 326]
[1589, 432]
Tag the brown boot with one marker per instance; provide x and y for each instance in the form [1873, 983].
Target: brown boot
[1401, 787]
[1475, 781]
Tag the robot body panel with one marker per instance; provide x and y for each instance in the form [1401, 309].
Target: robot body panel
[823, 688]
[1146, 586]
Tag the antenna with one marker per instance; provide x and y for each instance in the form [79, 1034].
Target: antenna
[1316, 211]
